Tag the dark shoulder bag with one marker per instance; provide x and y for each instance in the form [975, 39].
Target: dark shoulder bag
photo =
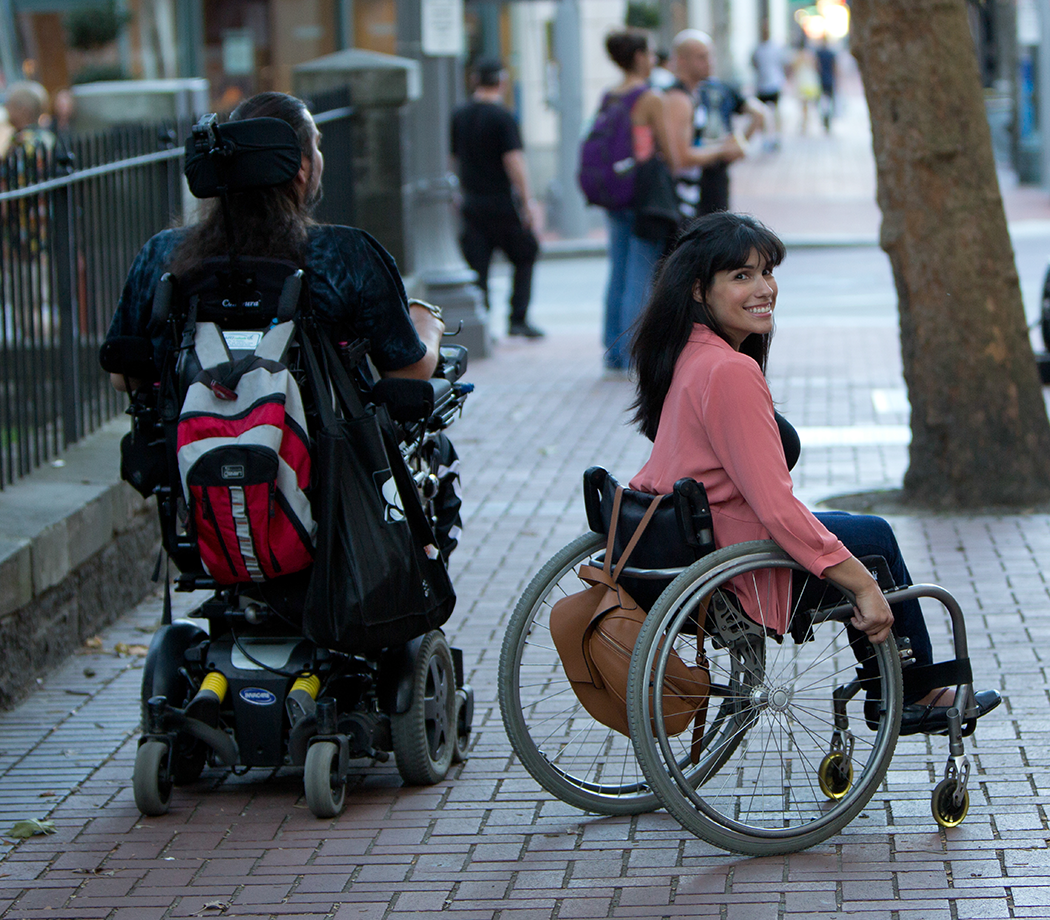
[378, 578]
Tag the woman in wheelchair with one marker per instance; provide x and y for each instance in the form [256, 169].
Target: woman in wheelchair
[700, 353]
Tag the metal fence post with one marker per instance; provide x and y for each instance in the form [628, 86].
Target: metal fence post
[63, 274]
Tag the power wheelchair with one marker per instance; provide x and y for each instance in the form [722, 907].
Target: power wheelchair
[800, 728]
[249, 690]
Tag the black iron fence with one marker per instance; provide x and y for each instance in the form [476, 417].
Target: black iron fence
[68, 237]
[71, 223]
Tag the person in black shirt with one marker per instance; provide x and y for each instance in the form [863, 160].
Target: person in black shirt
[497, 207]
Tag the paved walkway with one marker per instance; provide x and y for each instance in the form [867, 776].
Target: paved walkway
[487, 843]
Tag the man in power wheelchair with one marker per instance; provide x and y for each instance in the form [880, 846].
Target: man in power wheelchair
[780, 654]
[244, 340]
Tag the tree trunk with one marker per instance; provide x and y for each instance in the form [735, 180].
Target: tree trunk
[980, 434]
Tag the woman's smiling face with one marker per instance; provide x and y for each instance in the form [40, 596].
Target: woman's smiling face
[742, 299]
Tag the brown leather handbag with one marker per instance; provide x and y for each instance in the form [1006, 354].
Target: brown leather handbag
[595, 631]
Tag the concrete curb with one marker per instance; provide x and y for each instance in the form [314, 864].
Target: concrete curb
[77, 546]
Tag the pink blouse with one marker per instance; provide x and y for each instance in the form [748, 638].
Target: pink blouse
[717, 426]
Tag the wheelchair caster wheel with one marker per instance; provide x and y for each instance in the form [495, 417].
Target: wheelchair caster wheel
[325, 791]
[424, 736]
[946, 812]
[835, 775]
[464, 720]
[151, 782]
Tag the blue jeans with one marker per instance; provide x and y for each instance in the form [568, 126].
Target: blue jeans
[631, 263]
[868, 535]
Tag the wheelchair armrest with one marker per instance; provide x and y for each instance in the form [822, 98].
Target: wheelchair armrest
[410, 400]
[129, 355]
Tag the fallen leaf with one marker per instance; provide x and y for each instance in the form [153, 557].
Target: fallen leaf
[122, 648]
[94, 642]
[22, 830]
[98, 870]
[220, 906]
[45, 795]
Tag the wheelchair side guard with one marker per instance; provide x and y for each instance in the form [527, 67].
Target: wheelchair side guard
[411, 400]
[166, 655]
[395, 683]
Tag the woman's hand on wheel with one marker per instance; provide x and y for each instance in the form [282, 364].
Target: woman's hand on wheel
[872, 615]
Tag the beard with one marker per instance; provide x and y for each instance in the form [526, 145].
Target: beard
[314, 194]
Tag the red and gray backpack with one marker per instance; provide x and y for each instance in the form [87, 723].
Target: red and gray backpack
[244, 456]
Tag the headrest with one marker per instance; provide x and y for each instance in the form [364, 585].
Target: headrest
[240, 155]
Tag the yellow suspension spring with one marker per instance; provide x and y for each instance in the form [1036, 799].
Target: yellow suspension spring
[215, 682]
[311, 683]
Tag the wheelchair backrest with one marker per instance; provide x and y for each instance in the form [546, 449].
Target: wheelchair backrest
[678, 534]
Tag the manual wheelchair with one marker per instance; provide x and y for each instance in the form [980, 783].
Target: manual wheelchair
[796, 740]
[250, 690]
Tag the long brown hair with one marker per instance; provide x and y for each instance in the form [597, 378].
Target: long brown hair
[269, 222]
[713, 243]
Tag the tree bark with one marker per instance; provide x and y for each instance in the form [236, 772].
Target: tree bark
[980, 435]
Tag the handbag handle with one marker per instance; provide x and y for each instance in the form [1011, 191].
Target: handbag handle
[636, 536]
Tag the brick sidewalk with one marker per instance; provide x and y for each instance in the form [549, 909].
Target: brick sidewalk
[487, 842]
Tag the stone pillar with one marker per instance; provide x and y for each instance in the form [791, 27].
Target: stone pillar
[400, 198]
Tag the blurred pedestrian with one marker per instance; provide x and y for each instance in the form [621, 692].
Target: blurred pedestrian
[6, 132]
[661, 77]
[807, 82]
[497, 210]
[27, 102]
[700, 119]
[631, 257]
[827, 69]
[770, 61]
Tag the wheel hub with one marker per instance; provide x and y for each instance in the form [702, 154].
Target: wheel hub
[780, 699]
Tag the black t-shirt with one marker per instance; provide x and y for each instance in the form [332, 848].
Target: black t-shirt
[355, 289]
[482, 132]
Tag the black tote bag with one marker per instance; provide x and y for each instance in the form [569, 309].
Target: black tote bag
[378, 579]
[656, 214]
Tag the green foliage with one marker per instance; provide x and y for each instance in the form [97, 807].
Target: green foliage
[93, 27]
[642, 15]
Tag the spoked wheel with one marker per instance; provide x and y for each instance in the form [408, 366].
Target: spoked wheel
[759, 789]
[569, 753]
[152, 781]
[325, 790]
[946, 811]
[424, 737]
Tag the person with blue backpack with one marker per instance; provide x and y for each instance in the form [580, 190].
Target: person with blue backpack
[628, 129]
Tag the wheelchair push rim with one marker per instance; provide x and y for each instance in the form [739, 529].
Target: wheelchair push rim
[765, 790]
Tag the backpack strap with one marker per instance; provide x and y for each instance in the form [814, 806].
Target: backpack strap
[209, 346]
[638, 531]
[274, 344]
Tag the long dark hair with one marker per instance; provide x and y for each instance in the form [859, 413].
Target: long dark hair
[713, 243]
[270, 222]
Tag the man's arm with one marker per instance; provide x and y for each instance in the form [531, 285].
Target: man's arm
[430, 329]
[518, 173]
[679, 113]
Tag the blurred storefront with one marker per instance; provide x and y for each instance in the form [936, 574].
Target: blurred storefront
[240, 46]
